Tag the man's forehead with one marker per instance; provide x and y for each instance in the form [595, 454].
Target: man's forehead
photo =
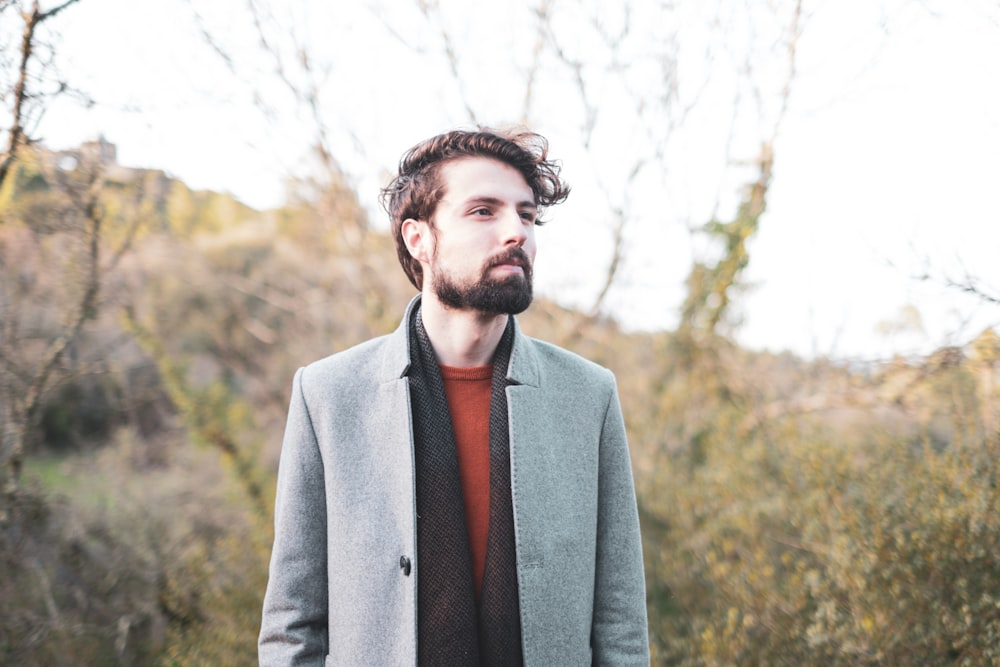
[477, 175]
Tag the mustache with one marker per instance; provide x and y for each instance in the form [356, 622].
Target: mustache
[515, 255]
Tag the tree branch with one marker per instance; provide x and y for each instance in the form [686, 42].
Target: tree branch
[425, 7]
[16, 136]
[542, 13]
[85, 310]
[46, 15]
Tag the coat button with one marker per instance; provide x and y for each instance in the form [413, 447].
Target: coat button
[404, 563]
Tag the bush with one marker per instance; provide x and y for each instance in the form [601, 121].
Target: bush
[785, 547]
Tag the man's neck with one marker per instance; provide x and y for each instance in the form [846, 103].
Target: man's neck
[462, 338]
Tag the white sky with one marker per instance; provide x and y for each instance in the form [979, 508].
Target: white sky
[888, 158]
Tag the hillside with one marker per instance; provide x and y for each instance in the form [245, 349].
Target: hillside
[794, 512]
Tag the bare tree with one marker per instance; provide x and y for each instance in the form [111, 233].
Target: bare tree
[55, 255]
[622, 69]
[55, 243]
[27, 76]
[614, 83]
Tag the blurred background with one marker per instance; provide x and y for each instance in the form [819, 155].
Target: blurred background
[782, 239]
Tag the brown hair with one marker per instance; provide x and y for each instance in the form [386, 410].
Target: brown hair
[417, 188]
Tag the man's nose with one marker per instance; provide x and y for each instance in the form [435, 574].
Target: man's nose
[515, 230]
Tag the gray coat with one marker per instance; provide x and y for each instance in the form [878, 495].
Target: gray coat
[343, 575]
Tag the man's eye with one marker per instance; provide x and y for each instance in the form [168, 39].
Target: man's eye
[528, 217]
[481, 211]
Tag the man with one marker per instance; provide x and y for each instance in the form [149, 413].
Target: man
[457, 493]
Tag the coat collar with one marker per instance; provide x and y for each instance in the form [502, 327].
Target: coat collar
[523, 367]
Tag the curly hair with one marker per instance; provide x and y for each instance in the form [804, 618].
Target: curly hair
[417, 188]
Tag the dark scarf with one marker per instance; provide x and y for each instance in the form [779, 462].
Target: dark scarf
[449, 629]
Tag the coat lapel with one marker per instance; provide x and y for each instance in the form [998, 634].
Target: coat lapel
[396, 354]
[525, 420]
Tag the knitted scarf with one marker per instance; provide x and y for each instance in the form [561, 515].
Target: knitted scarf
[450, 630]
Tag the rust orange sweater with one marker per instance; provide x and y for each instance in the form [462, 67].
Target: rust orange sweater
[468, 391]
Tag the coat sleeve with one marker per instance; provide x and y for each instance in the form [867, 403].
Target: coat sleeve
[619, 631]
[294, 621]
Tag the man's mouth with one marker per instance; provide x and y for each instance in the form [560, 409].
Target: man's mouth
[514, 260]
[510, 266]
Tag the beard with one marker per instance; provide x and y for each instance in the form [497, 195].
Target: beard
[509, 295]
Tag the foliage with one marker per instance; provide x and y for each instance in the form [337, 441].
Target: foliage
[711, 287]
[793, 512]
[76, 591]
[806, 514]
[822, 553]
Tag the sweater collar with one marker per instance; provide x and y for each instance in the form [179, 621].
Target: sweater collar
[522, 369]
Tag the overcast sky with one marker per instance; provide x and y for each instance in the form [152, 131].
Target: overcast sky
[886, 161]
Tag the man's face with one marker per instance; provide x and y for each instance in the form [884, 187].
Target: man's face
[483, 238]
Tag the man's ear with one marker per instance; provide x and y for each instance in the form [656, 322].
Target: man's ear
[418, 239]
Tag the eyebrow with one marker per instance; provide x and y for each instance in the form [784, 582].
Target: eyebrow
[495, 201]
